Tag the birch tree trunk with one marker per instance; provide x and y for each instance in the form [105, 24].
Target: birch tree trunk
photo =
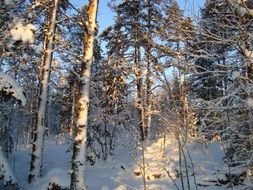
[80, 133]
[38, 138]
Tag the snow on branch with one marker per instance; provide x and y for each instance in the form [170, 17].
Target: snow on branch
[24, 33]
[9, 85]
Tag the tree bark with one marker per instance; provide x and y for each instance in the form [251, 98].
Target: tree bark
[139, 86]
[39, 131]
[139, 79]
[148, 75]
[80, 133]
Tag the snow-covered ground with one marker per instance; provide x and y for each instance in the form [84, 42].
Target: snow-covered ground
[123, 171]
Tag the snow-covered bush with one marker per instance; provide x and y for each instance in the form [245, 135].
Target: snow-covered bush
[10, 87]
[228, 119]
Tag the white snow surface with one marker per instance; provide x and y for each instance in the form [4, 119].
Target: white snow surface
[5, 170]
[118, 173]
[56, 176]
[9, 85]
[24, 33]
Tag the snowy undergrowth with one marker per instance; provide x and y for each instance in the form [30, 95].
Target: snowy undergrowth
[119, 173]
[162, 163]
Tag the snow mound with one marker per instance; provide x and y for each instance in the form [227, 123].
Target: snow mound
[56, 176]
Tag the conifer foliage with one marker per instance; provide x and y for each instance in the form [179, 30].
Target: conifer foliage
[152, 74]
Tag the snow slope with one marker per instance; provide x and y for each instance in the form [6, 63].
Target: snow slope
[119, 173]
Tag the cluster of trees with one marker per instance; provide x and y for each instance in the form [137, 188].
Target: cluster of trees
[50, 24]
[222, 87]
[162, 72]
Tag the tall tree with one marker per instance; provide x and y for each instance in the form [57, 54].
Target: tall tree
[128, 29]
[80, 133]
[46, 60]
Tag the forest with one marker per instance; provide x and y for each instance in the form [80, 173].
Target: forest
[160, 98]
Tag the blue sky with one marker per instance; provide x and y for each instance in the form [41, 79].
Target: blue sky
[105, 14]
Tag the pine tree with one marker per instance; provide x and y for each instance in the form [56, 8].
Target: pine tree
[128, 29]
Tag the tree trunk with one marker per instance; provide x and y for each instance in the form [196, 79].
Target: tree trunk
[79, 146]
[139, 87]
[148, 75]
[38, 138]
[139, 79]
[72, 126]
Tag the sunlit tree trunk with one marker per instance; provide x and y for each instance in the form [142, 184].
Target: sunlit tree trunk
[139, 77]
[39, 131]
[148, 75]
[79, 146]
[139, 87]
